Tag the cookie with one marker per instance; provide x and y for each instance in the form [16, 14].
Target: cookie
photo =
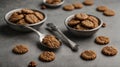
[32, 64]
[15, 17]
[78, 5]
[81, 16]
[27, 11]
[87, 23]
[39, 15]
[88, 55]
[43, 7]
[73, 22]
[20, 49]
[47, 56]
[22, 22]
[53, 1]
[69, 7]
[94, 20]
[102, 40]
[88, 2]
[57, 0]
[101, 8]
[51, 42]
[31, 18]
[109, 12]
[109, 51]
[80, 27]
[104, 24]
[49, 1]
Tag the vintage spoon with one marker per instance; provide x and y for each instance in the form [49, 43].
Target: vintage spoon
[70, 43]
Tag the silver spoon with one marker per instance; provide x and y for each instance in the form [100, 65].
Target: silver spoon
[41, 36]
[70, 43]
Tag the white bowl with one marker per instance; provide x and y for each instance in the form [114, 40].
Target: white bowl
[21, 27]
[53, 5]
[82, 33]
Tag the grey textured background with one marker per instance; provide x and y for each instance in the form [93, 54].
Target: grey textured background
[64, 56]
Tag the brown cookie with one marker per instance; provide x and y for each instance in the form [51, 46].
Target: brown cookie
[81, 16]
[22, 22]
[88, 55]
[51, 42]
[109, 12]
[101, 8]
[88, 2]
[87, 23]
[27, 11]
[109, 51]
[31, 18]
[78, 5]
[94, 20]
[104, 24]
[57, 0]
[102, 40]
[39, 15]
[80, 27]
[47, 56]
[15, 17]
[73, 22]
[43, 7]
[49, 1]
[53, 1]
[32, 64]
[69, 7]
[20, 49]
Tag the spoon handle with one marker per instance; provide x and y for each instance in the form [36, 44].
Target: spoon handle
[72, 44]
[40, 34]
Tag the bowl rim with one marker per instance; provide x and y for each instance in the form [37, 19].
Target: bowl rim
[53, 5]
[71, 16]
[8, 14]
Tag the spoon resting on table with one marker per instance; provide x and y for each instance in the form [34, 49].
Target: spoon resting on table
[70, 43]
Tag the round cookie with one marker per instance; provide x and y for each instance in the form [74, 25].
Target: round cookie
[69, 7]
[94, 20]
[102, 40]
[47, 56]
[81, 16]
[88, 55]
[109, 51]
[78, 5]
[51, 42]
[73, 22]
[80, 27]
[109, 12]
[20, 49]
[32, 64]
[104, 24]
[88, 2]
[27, 11]
[101, 8]
[87, 23]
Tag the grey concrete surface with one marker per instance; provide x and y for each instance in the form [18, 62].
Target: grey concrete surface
[64, 56]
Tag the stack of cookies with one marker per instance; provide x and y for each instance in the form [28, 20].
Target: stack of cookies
[83, 21]
[26, 16]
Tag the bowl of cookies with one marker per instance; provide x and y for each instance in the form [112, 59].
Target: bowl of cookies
[19, 18]
[82, 24]
[53, 3]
